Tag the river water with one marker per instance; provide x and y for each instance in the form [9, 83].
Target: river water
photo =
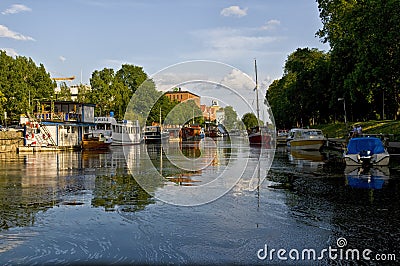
[81, 207]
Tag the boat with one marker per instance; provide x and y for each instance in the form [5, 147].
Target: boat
[213, 132]
[155, 134]
[305, 139]
[281, 137]
[125, 132]
[191, 133]
[259, 135]
[366, 151]
[92, 141]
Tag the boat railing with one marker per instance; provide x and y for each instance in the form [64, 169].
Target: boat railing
[60, 116]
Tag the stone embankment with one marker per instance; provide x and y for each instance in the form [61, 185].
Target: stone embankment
[11, 140]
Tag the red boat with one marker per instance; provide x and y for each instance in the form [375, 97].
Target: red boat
[259, 136]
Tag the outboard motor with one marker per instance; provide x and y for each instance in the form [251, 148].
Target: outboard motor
[365, 157]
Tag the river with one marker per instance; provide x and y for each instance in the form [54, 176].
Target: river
[81, 207]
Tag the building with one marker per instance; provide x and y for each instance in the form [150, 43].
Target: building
[59, 124]
[182, 96]
[210, 112]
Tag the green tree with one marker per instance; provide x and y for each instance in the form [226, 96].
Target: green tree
[365, 55]
[231, 118]
[22, 82]
[65, 93]
[249, 120]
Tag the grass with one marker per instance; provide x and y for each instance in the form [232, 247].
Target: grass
[338, 130]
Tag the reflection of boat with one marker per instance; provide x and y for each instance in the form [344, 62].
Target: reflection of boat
[371, 178]
[193, 132]
[366, 151]
[155, 134]
[91, 141]
[306, 158]
[306, 139]
[309, 155]
[123, 133]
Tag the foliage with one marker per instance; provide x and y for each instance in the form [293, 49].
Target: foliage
[64, 94]
[21, 83]
[365, 55]
[231, 118]
[301, 96]
[249, 120]
[112, 91]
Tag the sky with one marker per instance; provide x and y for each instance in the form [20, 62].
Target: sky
[76, 37]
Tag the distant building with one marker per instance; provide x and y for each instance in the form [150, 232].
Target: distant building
[182, 96]
[210, 112]
[220, 116]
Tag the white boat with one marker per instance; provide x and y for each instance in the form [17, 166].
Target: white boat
[366, 151]
[125, 132]
[305, 139]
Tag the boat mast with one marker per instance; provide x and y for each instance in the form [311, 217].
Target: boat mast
[256, 89]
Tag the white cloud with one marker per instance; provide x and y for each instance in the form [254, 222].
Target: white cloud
[234, 11]
[271, 24]
[62, 58]
[17, 8]
[10, 51]
[235, 39]
[7, 33]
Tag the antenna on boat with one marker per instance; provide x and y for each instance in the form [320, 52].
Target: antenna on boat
[256, 89]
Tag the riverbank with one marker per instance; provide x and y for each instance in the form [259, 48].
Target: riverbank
[385, 127]
[11, 140]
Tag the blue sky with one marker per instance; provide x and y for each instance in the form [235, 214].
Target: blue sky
[74, 36]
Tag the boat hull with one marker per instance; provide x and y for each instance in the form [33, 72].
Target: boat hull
[258, 139]
[95, 145]
[381, 159]
[311, 144]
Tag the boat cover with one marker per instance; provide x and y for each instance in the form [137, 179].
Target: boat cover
[365, 144]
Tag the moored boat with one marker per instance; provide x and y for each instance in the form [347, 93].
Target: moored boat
[125, 132]
[281, 137]
[91, 141]
[191, 132]
[306, 139]
[155, 134]
[366, 151]
[259, 136]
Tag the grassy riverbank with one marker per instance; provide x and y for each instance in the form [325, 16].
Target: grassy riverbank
[338, 130]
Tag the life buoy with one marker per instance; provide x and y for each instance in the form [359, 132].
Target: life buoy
[44, 136]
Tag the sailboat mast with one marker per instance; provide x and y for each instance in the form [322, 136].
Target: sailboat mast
[256, 89]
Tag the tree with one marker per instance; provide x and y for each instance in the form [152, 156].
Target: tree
[22, 82]
[249, 120]
[64, 93]
[365, 55]
[231, 118]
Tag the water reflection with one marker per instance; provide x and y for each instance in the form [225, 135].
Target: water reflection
[306, 158]
[367, 178]
[31, 183]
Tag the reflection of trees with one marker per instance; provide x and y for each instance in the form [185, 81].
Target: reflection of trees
[121, 190]
[19, 205]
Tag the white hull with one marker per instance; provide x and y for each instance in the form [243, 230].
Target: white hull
[381, 159]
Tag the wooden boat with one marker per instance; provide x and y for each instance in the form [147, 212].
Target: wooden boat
[191, 133]
[366, 151]
[155, 134]
[95, 142]
[306, 139]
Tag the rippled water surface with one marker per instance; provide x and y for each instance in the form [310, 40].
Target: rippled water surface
[79, 207]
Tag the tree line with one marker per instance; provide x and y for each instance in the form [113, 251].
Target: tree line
[362, 68]
[128, 93]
